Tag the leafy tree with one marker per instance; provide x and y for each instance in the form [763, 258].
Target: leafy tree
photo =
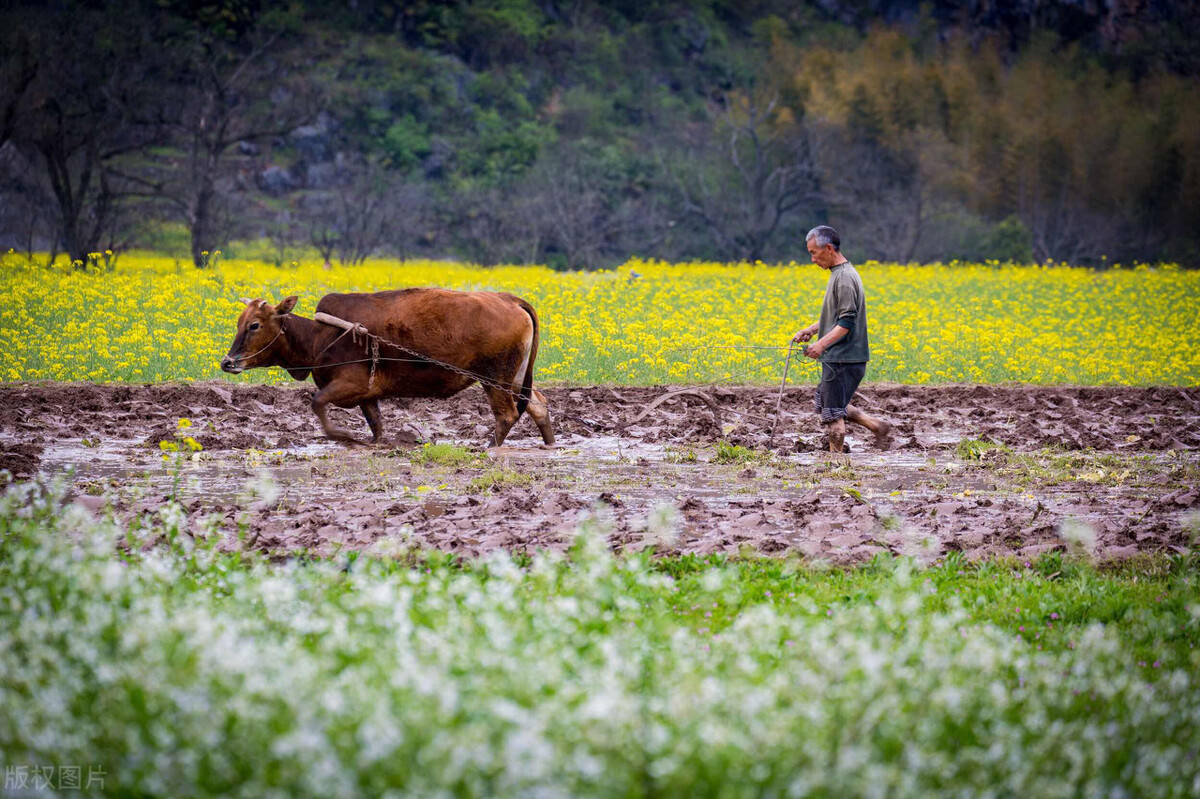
[406, 143]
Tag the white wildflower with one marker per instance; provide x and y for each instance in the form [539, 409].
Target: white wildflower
[1079, 536]
[921, 547]
[1191, 526]
[662, 526]
[261, 490]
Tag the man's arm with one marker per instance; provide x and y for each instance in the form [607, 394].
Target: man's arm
[828, 340]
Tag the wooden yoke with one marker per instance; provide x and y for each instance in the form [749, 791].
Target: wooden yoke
[352, 327]
[355, 329]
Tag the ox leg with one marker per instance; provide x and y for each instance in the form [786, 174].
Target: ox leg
[504, 408]
[337, 394]
[370, 409]
[540, 413]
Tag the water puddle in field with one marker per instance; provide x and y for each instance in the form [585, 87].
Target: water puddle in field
[594, 448]
[106, 457]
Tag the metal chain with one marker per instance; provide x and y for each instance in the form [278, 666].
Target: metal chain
[373, 343]
[420, 357]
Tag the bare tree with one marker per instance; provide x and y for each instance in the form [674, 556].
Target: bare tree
[323, 233]
[743, 174]
[17, 72]
[1052, 202]
[408, 208]
[567, 206]
[363, 215]
[284, 233]
[879, 192]
[481, 222]
[229, 88]
[371, 210]
[25, 207]
[81, 117]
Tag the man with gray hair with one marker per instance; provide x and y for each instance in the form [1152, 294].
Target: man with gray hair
[841, 345]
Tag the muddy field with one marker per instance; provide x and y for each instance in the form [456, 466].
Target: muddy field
[981, 470]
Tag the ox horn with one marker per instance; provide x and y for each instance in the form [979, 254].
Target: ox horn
[245, 300]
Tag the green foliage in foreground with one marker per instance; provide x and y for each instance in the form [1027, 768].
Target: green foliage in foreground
[187, 671]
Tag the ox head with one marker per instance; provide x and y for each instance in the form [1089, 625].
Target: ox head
[258, 335]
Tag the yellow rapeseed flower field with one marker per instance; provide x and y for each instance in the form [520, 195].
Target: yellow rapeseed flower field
[153, 319]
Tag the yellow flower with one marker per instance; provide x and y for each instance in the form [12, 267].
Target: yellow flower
[677, 323]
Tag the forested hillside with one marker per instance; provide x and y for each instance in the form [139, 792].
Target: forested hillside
[577, 134]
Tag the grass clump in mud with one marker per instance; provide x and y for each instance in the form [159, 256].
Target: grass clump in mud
[584, 673]
[497, 479]
[982, 451]
[737, 454]
[1052, 466]
[444, 454]
[680, 455]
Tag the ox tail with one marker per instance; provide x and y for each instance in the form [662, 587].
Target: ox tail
[527, 380]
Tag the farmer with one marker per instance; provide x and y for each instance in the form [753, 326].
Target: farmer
[841, 345]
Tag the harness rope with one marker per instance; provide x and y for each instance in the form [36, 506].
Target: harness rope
[263, 349]
[360, 335]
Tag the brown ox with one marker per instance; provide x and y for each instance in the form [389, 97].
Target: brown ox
[493, 336]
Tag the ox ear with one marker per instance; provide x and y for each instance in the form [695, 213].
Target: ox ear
[245, 300]
[285, 306]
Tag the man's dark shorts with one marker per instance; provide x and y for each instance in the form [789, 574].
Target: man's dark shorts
[839, 381]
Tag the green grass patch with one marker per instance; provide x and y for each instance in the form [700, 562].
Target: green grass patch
[1049, 602]
[736, 453]
[499, 478]
[973, 449]
[442, 454]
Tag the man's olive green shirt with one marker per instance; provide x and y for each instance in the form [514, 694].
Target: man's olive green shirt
[845, 305]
